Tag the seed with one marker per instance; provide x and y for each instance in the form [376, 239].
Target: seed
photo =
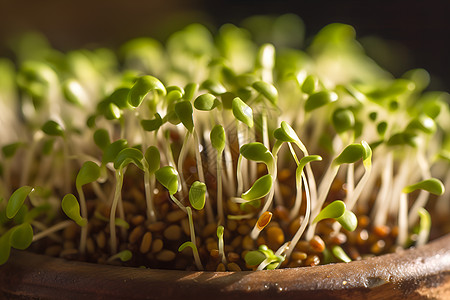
[275, 237]
[298, 255]
[382, 231]
[221, 268]
[236, 242]
[281, 213]
[146, 242]
[175, 216]
[173, 233]
[353, 253]
[232, 225]
[214, 253]
[283, 175]
[71, 232]
[90, 246]
[166, 255]
[294, 226]
[129, 208]
[211, 245]
[156, 227]
[53, 250]
[209, 230]
[136, 234]
[263, 220]
[312, 260]
[302, 246]
[295, 264]
[157, 245]
[100, 239]
[69, 253]
[137, 220]
[233, 267]
[317, 244]
[243, 229]
[260, 240]
[185, 226]
[378, 247]
[362, 237]
[233, 257]
[286, 190]
[338, 239]
[228, 248]
[363, 221]
[248, 243]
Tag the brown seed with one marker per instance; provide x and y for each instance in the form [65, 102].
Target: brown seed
[248, 243]
[236, 242]
[136, 234]
[137, 220]
[156, 227]
[221, 268]
[233, 257]
[165, 255]
[173, 232]
[157, 245]
[209, 230]
[284, 175]
[69, 245]
[53, 250]
[146, 242]
[260, 241]
[129, 207]
[338, 238]
[185, 226]
[302, 246]
[275, 237]
[90, 246]
[298, 255]
[312, 260]
[211, 245]
[362, 237]
[317, 244]
[382, 231]
[363, 221]
[378, 247]
[281, 213]
[232, 225]
[294, 226]
[71, 232]
[214, 253]
[233, 267]
[243, 229]
[175, 216]
[100, 239]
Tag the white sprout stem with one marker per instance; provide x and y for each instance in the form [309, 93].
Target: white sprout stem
[183, 187]
[219, 188]
[443, 203]
[350, 184]
[239, 179]
[379, 213]
[178, 203]
[244, 164]
[222, 251]
[400, 181]
[298, 197]
[403, 220]
[201, 177]
[148, 186]
[228, 162]
[112, 216]
[324, 188]
[50, 230]
[421, 201]
[198, 263]
[264, 264]
[84, 214]
[305, 221]
[359, 188]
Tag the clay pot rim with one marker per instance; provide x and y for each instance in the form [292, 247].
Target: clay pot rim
[32, 274]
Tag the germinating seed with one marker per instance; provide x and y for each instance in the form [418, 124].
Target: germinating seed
[275, 237]
[214, 253]
[248, 243]
[298, 255]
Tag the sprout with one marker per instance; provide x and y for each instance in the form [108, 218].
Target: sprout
[151, 164]
[124, 256]
[220, 245]
[340, 254]
[197, 194]
[263, 258]
[142, 87]
[16, 200]
[242, 112]
[259, 189]
[71, 208]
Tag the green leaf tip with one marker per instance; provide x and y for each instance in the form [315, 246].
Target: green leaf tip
[52, 128]
[267, 90]
[260, 188]
[127, 156]
[89, 172]
[21, 236]
[242, 112]
[153, 159]
[16, 200]
[333, 210]
[217, 137]
[71, 208]
[432, 185]
[351, 154]
[168, 177]
[319, 99]
[184, 111]
[206, 102]
[142, 87]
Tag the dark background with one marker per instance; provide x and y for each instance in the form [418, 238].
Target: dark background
[417, 31]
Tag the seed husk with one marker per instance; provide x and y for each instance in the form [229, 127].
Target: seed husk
[317, 244]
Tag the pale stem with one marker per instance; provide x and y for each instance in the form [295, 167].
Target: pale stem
[219, 188]
[84, 214]
[379, 213]
[421, 201]
[198, 263]
[181, 158]
[402, 220]
[51, 230]
[151, 214]
[112, 216]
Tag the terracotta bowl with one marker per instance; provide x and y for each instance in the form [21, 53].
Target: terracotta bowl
[421, 273]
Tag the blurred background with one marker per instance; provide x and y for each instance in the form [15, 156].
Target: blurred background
[416, 33]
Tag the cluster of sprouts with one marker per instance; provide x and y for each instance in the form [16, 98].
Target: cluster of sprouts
[212, 120]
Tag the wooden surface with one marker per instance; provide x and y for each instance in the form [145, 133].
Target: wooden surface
[414, 274]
